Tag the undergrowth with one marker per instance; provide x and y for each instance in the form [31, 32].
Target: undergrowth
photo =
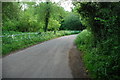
[101, 58]
[13, 41]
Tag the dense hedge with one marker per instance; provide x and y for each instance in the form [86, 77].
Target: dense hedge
[102, 44]
[99, 65]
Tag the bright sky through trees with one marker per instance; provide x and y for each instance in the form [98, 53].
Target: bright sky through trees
[66, 4]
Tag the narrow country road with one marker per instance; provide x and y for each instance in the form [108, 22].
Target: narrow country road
[46, 60]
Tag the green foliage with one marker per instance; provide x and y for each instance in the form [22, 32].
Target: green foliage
[72, 22]
[53, 25]
[85, 37]
[96, 17]
[10, 25]
[17, 40]
[100, 62]
[102, 20]
[28, 22]
[9, 8]
[32, 18]
[47, 11]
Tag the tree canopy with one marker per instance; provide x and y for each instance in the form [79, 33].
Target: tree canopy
[72, 22]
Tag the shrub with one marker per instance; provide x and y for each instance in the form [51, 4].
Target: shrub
[85, 37]
[101, 61]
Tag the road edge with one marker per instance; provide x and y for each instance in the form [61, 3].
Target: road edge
[76, 63]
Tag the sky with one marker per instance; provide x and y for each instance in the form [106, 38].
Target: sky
[66, 4]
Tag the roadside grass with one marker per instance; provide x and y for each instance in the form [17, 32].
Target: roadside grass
[13, 41]
[99, 65]
[83, 42]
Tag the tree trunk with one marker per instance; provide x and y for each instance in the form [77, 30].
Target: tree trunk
[47, 16]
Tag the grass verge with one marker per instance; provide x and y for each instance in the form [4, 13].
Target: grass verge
[23, 40]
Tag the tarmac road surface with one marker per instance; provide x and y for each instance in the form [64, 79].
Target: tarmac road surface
[45, 60]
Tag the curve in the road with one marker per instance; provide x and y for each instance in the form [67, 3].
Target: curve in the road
[46, 60]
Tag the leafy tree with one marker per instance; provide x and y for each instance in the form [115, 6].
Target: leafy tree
[72, 22]
[102, 20]
[28, 21]
[8, 10]
[31, 17]
[49, 10]
[54, 25]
